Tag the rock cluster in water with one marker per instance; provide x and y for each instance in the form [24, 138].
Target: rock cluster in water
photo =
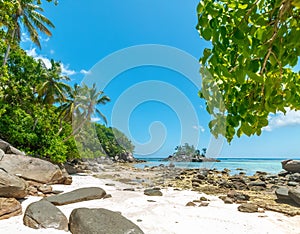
[190, 158]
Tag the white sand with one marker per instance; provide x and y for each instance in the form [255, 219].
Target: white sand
[168, 214]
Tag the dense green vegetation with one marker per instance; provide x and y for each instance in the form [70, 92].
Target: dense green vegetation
[188, 150]
[113, 141]
[39, 112]
[255, 45]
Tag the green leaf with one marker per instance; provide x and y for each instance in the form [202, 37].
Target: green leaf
[232, 5]
[213, 23]
[293, 60]
[200, 7]
[247, 129]
[206, 54]
[206, 33]
[296, 3]
[259, 34]
[258, 132]
[273, 60]
[255, 77]
[240, 75]
[263, 122]
[243, 6]
[254, 66]
[238, 34]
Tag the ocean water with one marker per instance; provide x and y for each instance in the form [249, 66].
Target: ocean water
[235, 165]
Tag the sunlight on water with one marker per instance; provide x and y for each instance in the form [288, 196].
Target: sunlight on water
[235, 165]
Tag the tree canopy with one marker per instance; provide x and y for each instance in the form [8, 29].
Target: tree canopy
[40, 113]
[26, 14]
[248, 71]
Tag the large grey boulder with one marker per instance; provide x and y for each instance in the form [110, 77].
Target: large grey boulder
[1, 154]
[126, 157]
[78, 195]
[100, 221]
[9, 149]
[12, 186]
[282, 193]
[71, 169]
[291, 165]
[257, 183]
[9, 207]
[30, 168]
[294, 194]
[43, 214]
[295, 177]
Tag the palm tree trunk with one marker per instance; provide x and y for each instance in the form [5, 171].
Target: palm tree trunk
[8, 48]
[35, 123]
[6, 55]
[87, 117]
[75, 131]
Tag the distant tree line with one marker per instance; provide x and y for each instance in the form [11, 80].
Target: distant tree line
[189, 150]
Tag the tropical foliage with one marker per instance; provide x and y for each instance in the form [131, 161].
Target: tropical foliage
[26, 14]
[188, 150]
[40, 113]
[113, 141]
[247, 72]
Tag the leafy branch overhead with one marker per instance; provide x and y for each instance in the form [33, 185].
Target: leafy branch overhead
[255, 45]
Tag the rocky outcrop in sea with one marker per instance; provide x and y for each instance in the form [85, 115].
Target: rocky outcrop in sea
[189, 158]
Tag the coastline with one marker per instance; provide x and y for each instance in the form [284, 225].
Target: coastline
[248, 165]
[164, 214]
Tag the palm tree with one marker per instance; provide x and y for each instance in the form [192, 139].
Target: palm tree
[52, 89]
[84, 106]
[88, 100]
[68, 108]
[204, 152]
[28, 15]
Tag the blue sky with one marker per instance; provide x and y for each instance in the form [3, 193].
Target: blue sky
[88, 31]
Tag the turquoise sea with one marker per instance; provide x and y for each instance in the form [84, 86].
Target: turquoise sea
[248, 165]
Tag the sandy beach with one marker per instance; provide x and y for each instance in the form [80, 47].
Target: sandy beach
[164, 214]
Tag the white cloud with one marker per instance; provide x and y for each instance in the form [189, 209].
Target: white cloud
[52, 51]
[25, 37]
[66, 71]
[95, 119]
[281, 120]
[85, 72]
[64, 68]
[31, 52]
[200, 128]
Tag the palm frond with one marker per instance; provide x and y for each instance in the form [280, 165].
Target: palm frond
[32, 31]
